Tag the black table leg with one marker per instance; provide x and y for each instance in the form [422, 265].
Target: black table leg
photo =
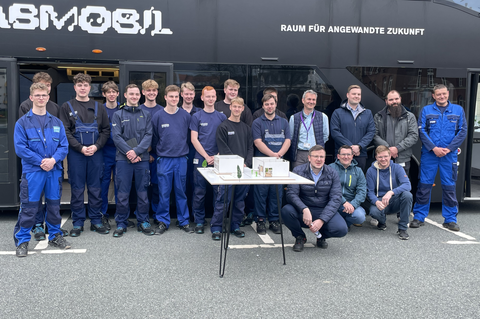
[226, 230]
[281, 227]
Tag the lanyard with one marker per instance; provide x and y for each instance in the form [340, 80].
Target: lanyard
[303, 122]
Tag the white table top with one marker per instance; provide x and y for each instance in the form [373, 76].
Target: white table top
[215, 179]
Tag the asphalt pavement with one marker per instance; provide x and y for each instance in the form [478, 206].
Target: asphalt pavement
[367, 274]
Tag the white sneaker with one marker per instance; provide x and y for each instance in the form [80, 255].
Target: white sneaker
[373, 222]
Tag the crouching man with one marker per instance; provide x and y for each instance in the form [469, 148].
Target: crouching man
[315, 206]
[41, 143]
[388, 189]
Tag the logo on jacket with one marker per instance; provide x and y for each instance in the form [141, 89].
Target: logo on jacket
[56, 129]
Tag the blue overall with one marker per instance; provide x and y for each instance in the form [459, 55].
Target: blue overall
[446, 130]
[109, 152]
[273, 133]
[85, 169]
[32, 147]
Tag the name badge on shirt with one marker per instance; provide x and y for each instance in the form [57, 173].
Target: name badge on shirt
[56, 129]
[307, 145]
[165, 125]
[195, 161]
[203, 124]
[231, 133]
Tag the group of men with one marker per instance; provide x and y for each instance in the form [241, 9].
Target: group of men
[161, 147]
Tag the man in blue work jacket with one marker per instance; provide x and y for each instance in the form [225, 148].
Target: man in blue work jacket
[442, 128]
[271, 136]
[41, 143]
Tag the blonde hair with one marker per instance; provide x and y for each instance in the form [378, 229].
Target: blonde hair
[187, 85]
[231, 83]
[149, 84]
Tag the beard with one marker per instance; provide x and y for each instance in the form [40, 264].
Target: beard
[395, 111]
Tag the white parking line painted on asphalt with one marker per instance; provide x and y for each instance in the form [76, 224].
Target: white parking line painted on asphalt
[453, 242]
[265, 238]
[13, 252]
[66, 251]
[460, 234]
[44, 243]
[307, 245]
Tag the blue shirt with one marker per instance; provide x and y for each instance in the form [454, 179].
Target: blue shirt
[170, 133]
[356, 111]
[272, 132]
[153, 111]
[206, 124]
[309, 138]
[315, 176]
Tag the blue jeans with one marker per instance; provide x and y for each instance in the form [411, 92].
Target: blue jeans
[357, 217]
[398, 203]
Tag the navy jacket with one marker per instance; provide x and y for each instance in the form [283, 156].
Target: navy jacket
[326, 194]
[132, 122]
[380, 181]
[346, 130]
[317, 129]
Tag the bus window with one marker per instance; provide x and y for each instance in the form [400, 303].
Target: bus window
[3, 126]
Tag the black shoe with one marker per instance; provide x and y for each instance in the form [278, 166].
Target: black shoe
[177, 223]
[261, 227]
[119, 232]
[402, 234]
[322, 243]
[38, 232]
[381, 226]
[216, 235]
[64, 231]
[161, 228]
[186, 228]
[106, 223]
[146, 229]
[299, 243]
[130, 224]
[199, 229]
[248, 220]
[155, 221]
[275, 226]
[59, 242]
[22, 250]
[76, 231]
[416, 223]
[238, 233]
[99, 228]
[451, 226]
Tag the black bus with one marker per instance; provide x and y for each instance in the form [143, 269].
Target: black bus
[324, 45]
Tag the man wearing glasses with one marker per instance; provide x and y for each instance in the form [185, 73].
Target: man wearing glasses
[354, 187]
[315, 206]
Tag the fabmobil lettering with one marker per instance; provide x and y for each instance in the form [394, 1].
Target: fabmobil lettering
[91, 19]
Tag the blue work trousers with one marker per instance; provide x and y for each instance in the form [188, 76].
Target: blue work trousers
[172, 172]
[190, 178]
[357, 217]
[199, 193]
[264, 194]
[109, 153]
[335, 227]
[31, 188]
[124, 175]
[238, 207]
[430, 164]
[398, 204]
[85, 169]
[153, 188]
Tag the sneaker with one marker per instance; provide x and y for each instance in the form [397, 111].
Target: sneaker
[22, 250]
[199, 229]
[275, 227]
[451, 226]
[161, 228]
[299, 243]
[130, 224]
[238, 233]
[106, 223]
[216, 235]
[322, 243]
[357, 225]
[76, 231]
[402, 234]
[381, 226]
[119, 232]
[38, 232]
[99, 228]
[374, 222]
[248, 220]
[261, 227]
[416, 223]
[146, 229]
[155, 221]
[177, 223]
[59, 242]
[186, 228]
[64, 231]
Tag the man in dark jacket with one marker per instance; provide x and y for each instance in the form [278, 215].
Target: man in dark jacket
[352, 124]
[132, 135]
[396, 128]
[389, 191]
[354, 187]
[315, 206]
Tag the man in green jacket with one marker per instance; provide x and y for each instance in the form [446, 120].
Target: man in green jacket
[354, 187]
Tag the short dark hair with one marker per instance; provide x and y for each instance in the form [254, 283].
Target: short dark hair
[110, 85]
[269, 90]
[81, 78]
[42, 76]
[131, 86]
[345, 147]
[267, 97]
[316, 148]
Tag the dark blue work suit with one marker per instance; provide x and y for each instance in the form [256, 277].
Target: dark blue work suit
[132, 130]
[109, 152]
[446, 130]
[32, 146]
[273, 134]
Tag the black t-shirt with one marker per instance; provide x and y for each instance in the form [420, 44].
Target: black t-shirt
[27, 105]
[235, 138]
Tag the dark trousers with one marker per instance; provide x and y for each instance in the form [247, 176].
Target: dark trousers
[398, 203]
[335, 227]
[238, 207]
[267, 194]
[109, 162]
[199, 193]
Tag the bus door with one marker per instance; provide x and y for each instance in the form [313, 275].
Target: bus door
[138, 72]
[472, 167]
[9, 176]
